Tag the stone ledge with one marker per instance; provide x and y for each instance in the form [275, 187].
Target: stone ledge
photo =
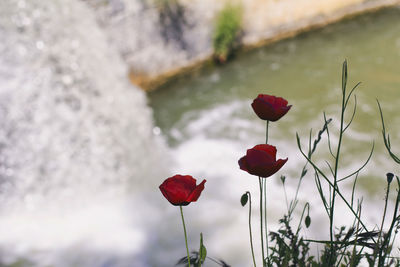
[253, 40]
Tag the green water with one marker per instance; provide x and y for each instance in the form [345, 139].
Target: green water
[306, 70]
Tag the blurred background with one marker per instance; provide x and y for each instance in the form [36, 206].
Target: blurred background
[101, 100]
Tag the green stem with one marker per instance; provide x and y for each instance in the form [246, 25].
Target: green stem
[251, 235]
[265, 198]
[384, 211]
[184, 230]
[265, 216]
[335, 185]
[353, 255]
[381, 245]
[261, 219]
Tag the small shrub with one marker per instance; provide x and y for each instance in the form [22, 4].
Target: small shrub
[227, 30]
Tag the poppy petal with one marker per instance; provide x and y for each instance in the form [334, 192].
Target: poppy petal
[243, 164]
[196, 192]
[270, 150]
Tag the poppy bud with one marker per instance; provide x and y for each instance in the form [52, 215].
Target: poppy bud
[389, 177]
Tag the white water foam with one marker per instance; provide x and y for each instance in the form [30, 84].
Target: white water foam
[78, 159]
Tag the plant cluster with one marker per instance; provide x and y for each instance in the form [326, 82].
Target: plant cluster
[351, 245]
[226, 32]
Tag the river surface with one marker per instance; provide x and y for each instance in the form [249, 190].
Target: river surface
[207, 122]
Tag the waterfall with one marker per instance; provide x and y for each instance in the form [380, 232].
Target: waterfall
[76, 140]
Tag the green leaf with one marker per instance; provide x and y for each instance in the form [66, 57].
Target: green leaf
[244, 199]
[283, 178]
[202, 250]
[307, 221]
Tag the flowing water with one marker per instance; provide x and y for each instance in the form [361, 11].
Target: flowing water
[80, 160]
[208, 122]
[77, 149]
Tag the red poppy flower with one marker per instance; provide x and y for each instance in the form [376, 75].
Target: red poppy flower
[261, 161]
[180, 190]
[271, 108]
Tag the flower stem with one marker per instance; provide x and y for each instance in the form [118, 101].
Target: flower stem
[184, 230]
[251, 235]
[261, 219]
[380, 244]
[265, 198]
[265, 216]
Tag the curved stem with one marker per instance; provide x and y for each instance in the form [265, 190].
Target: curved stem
[389, 233]
[251, 235]
[380, 245]
[184, 230]
[261, 219]
[265, 215]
